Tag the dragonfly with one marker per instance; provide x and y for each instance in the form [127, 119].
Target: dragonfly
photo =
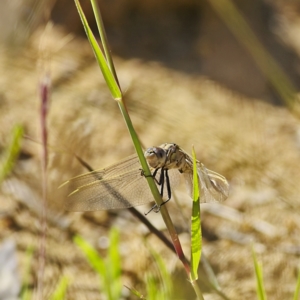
[124, 184]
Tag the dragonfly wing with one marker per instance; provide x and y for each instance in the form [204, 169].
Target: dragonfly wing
[189, 183]
[122, 191]
[205, 194]
[129, 163]
[214, 186]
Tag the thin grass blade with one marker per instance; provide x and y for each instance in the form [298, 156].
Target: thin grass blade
[107, 73]
[164, 274]
[103, 37]
[261, 294]
[297, 290]
[12, 152]
[26, 293]
[135, 292]
[114, 264]
[61, 289]
[96, 262]
[153, 291]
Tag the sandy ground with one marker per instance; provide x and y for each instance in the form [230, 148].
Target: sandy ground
[255, 145]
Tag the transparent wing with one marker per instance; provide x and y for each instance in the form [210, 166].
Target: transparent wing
[122, 191]
[120, 185]
[129, 163]
[214, 187]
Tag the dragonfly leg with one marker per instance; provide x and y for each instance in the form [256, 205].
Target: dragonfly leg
[168, 185]
[162, 182]
[164, 175]
[152, 208]
[168, 190]
[153, 175]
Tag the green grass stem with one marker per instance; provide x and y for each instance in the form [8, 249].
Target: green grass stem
[109, 77]
[297, 289]
[109, 269]
[260, 289]
[11, 153]
[26, 294]
[61, 289]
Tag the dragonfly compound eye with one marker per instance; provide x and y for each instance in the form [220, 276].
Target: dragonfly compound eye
[156, 157]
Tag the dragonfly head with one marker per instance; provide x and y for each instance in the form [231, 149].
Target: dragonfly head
[156, 157]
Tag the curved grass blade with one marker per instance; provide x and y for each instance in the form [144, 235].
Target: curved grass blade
[261, 293]
[61, 289]
[12, 152]
[166, 288]
[107, 73]
[297, 290]
[196, 237]
[103, 37]
[113, 264]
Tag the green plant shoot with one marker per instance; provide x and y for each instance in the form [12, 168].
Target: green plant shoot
[61, 289]
[108, 269]
[12, 152]
[261, 294]
[297, 289]
[196, 236]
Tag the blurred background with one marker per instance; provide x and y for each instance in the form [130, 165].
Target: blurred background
[220, 75]
[188, 36]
